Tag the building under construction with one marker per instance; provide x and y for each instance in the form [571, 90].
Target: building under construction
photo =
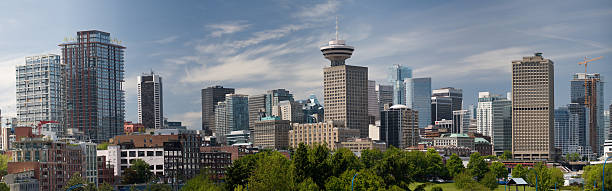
[591, 97]
[93, 79]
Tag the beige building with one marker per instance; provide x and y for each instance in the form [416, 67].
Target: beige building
[289, 110]
[533, 108]
[329, 133]
[356, 145]
[345, 89]
[271, 133]
[454, 140]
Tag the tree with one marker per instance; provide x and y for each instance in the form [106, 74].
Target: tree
[593, 175]
[544, 176]
[4, 187]
[398, 168]
[365, 180]
[160, 187]
[300, 161]
[489, 181]
[200, 183]
[342, 160]
[103, 146]
[138, 173]
[4, 159]
[239, 172]
[572, 157]
[499, 170]
[506, 155]
[272, 172]
[318, 168]
[519, 172]
[308, 185]
[370, 157]
[464, 180]
[76, 179]
[105, 187]
[454, 165]
[436, 188]
[477, 166]
[435, 168]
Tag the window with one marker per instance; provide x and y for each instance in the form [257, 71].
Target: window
[150, 153]
[141, 153]
[159, 167]
[123, 161]
[159, 153]
[132, 153]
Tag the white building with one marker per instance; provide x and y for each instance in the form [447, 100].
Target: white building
[122, 159]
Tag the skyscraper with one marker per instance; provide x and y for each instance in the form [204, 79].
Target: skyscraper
[39, 86]
[345, 88]
[501, 135]
[150, 101]
[578, 141]
[444, 101]
[397, 74]
[484, 113]
[418, 98]
[94, 97]
[257, 109]
[232, 114]
[595, 104]
[274, 97]
[210, 97]
[566, 130]
[533, 108]
[384, 95]
[373, 100]
[399, 126]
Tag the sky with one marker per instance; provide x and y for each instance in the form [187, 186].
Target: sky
[255, 46]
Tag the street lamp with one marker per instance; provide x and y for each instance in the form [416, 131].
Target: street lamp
[603, 176]
[536, 176]
[352, 181]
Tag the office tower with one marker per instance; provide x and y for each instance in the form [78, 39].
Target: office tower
[397, 74]
[210, 97]
[580, 131]
[150, 101]
[384, 95]
[607, 124]
[372, 100]
[257, 109]
[39, 86]
[313, 110]
[610, 124]
[484, 112]
[501, 126]
[345, 88]
[93, 78]
[418, 98]
[399, 126]
[232, 114]
[273, 97]
[444, 101]
[533, 108]
[595, 104]
[567, 127]
[461, 121]
[472, 110]
[327, 133]
[289, 110]
[271, 133]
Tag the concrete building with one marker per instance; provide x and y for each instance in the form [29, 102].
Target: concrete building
[241, 137]
[373, 109]
[345, 89]
[232, 114]
[90, 163]
[22, 181]
[461, 121]
[289, 110]
[83, 113]
[210, 97]
[182, 158]
[150, 101]
[271, 133]
[594, 102]
[399, 126]
[122, 158]
[257, 109]
[39, 89]
[374, 133]
[396, 74]
[356, 145]
[328, 133]
[454, 140]
[418, 98]
[215, 163]
[533, 108]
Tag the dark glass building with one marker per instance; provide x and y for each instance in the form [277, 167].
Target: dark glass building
[150, 101]
[210, 97]
[399, 126]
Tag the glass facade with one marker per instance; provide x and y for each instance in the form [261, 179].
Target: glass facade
[418, 98]
[595, 93]
[396, 76]
[94, 77]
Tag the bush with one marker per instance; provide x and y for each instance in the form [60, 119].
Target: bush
[436, 188]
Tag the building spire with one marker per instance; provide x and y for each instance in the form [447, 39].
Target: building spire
[336, 28]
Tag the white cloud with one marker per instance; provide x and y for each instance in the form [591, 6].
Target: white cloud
[221, 29]
[7, 86]
[319, 10]
[191, 119]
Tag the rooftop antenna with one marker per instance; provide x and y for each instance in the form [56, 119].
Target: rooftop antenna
[336, 28]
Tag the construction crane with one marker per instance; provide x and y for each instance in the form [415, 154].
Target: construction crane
[586, 80]
[41, 123]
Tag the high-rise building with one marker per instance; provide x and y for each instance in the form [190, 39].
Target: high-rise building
[257, 109]
[594, 101]
[578, 141]
[484, 113]
[399, 126]
[150, 101]
[533, 108]
[93, 78]
[373, 111]
[566, 130]
[329, 133]
[501, 134]
[232, 114]
[271, 133]
[397, 74]
[444, 101]
[210, 97]
[289, 110]
[384, 95]
[607, 124]
[273, 97]
[610, 123]
[39, 86]
[461, 121]
[313, 110]
[345, 88]
[418, 98]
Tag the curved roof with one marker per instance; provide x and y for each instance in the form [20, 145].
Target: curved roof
[399, 106]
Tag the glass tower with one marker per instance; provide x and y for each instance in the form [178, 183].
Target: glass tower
[418, 98]
[397, 74]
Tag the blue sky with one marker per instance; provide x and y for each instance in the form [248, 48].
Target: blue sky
[259, 45]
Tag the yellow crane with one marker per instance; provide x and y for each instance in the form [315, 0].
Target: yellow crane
[586, 80]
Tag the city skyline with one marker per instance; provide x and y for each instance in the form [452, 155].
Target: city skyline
[261, 55]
